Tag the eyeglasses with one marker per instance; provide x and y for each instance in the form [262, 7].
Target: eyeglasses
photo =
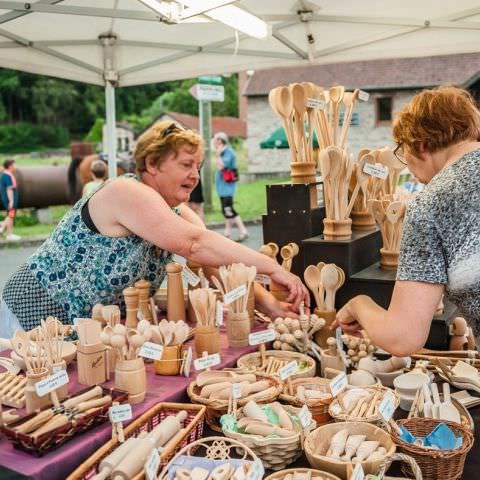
[399, 153]
[172, 128]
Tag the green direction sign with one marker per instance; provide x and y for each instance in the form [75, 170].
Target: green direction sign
[211, 79]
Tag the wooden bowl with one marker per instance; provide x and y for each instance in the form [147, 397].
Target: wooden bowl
[69, 351]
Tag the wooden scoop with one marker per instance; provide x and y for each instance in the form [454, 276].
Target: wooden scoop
[329, 277]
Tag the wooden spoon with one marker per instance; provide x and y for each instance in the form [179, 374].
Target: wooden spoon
[285, 107]
[349, 101]
[395, 212]
[327, 190]
[311, 275]
[336, 95]
[362, 180]
[329, 278]
[300, 109]
[378, 212]
[336, 163]
[322, 120]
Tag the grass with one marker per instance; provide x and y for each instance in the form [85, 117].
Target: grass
[34, 161]
[250, 203]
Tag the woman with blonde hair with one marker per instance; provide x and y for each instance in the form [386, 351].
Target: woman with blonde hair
[437, 135]
[128, 229]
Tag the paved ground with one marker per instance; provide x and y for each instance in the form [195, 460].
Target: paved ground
[11, 258]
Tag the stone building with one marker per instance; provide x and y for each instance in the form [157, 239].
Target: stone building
[390, 83]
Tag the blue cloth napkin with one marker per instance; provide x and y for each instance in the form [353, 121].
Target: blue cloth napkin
[441, 438]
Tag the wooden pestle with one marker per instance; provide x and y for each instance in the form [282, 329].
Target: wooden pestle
[175, 297]
[109, 463]
[143, 288]
[130, 296]
[135, 461]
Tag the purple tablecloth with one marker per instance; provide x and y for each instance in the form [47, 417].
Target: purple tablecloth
[56, 465]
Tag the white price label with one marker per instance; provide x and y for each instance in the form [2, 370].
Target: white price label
[77, 320]
[315, 103]
[120, 413]
[151, 467]
[263, 279]
[264, 336]
[363, 96]
[207, 362]
[377, 170]
[336, 409]
[338, 336]
[358, 473]
[151, 350]
[235, 294]
[219, 314]
[288, 370]
[57, 368]
[305, 416]
[51, 383]
[338, 383]
[236, 390]
[190, 277]
[387, 406]
[255, 471]
[188, 362]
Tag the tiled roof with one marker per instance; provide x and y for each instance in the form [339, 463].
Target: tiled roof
[233, 127]
[399, 73]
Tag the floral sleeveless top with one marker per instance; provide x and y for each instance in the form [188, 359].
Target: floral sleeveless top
[76, 268]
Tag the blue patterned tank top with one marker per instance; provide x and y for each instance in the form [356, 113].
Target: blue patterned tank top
[77, 268]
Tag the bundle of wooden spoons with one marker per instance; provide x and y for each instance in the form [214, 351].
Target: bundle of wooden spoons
[324, 280]
[126, 341]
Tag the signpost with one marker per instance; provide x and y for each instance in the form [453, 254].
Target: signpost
[208, 90]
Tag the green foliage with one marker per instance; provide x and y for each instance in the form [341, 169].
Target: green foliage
[95, 133]
[138, 123]
[25, 137]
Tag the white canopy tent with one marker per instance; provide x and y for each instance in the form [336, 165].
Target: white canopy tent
[123, 42]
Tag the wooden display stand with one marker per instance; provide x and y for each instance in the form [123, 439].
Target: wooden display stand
[290, 217]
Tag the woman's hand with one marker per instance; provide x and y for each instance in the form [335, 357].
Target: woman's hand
[347, 319]
[292, 283]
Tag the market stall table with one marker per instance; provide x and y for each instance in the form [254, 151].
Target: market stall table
[57, 464]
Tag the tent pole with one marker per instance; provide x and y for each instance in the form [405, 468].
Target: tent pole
[111, 129]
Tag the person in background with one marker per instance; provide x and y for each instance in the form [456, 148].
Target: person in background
[226, 158]
[98, 172]
[196, 200]
[437, 135]
[9, 196]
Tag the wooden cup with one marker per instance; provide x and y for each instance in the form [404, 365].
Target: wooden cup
[388, 259]
[206, 339]
[330, 361]
[32, 400]
[131, 376]
[363, 221]
[92, 364]
[337, 229]
[170, 362]
[238, 328]
[305, 172]
[322, 335]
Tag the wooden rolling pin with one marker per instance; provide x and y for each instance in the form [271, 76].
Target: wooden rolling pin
[134, 462]
[74, 401]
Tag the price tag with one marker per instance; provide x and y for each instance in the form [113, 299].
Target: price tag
[338, 336]
[151, 467]
[51, 383]
[338, 383]
[336, 409]
[77, 320]
[151, 350]
[263, 336]
[56, 368]
[219, 314]
[120, 413]
[305, 416]
[288, 370]
[378, 171]
[387, 406]
[255, 471]
[363, 96]
[190, 277]
[207, 362]
[188, 362]
[236, 391]
[235, 294]
[315, 103]
[263, 279]
[358, 473]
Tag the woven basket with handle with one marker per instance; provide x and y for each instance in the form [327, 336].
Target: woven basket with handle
[400, 457]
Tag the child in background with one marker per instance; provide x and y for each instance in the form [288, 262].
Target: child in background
[9, 196]
[98, 171]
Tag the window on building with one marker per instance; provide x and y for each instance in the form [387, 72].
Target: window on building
[383, 110]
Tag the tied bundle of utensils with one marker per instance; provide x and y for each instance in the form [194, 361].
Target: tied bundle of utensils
[204, 303]
[168, 333]
[126, 341]
[235, 284]
[324, 280]
[389, 214]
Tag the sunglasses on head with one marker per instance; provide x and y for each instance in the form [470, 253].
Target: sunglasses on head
[172, 128]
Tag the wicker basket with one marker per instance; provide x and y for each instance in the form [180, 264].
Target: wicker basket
[314, 474]
[150, 419]
[317, 443]
[318, 407]
[401, 458]
[435, 464]
[55, 438]
[275, 453]
[253, 361]
[217, 408]
[335, 410]
[215, 448]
